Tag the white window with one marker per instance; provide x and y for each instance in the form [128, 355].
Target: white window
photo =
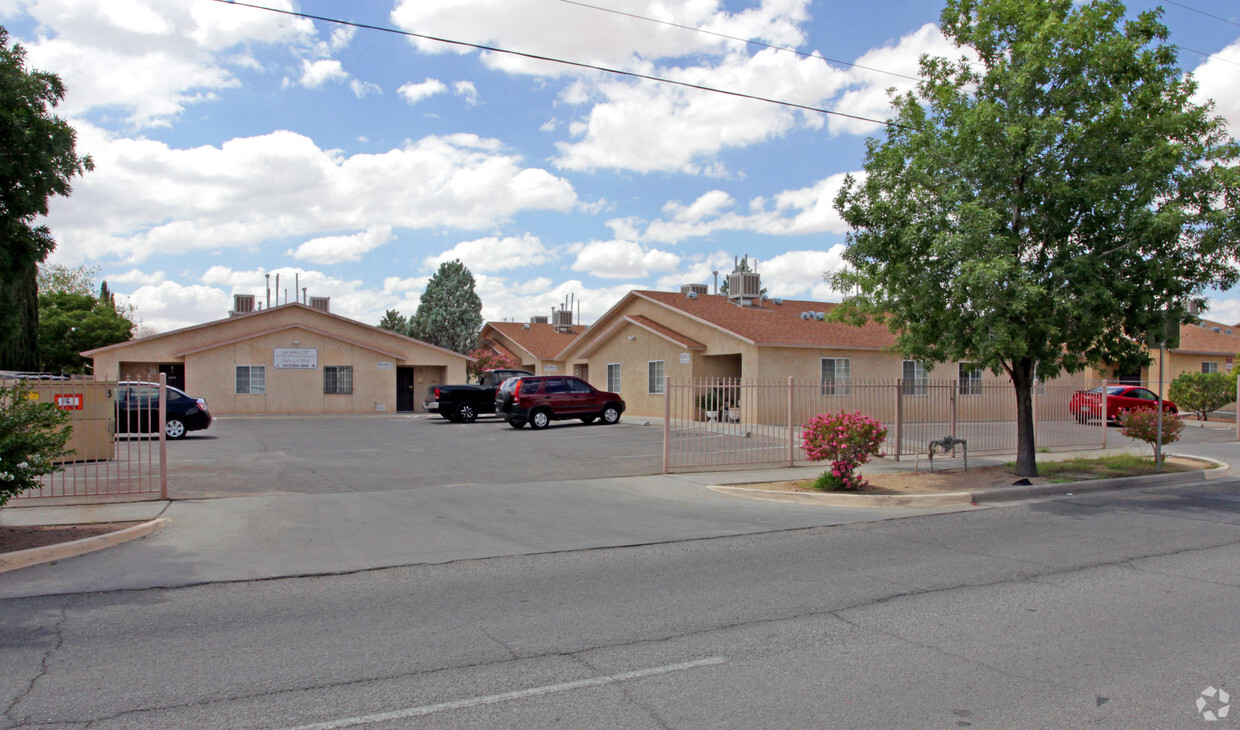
[916, 379]
[252, 379]
[613, 377]
[970, 378]
[1038, 382]
[1209, 367]
[836, 375]
[338, 379]
[656, 377]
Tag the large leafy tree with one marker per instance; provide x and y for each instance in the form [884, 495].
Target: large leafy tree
[450, 313]
[73, 323]
[1038, 201]
[37, 161]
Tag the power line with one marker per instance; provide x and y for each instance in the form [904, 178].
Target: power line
[550, 59]
[739, 39]
[1201, 12]
[1208, 55]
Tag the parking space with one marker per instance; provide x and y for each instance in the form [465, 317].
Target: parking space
[325, 454]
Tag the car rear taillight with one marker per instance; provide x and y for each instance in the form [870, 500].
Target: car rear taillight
[202, 404]
[436, 393]
[516, 392]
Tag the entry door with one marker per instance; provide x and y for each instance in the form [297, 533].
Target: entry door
[176, 374]
[404, 390]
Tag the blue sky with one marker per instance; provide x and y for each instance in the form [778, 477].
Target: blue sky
[231, 142]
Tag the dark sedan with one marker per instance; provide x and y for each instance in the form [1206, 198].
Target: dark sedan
[137, 410]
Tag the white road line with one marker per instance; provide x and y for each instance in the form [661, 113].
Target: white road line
[518, 694]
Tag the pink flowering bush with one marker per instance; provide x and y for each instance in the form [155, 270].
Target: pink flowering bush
[847, 440]
[1142, 424]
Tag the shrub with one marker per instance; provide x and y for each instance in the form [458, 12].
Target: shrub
[1201, 393]
[847, 440]
[32, 436]
[1142, 424]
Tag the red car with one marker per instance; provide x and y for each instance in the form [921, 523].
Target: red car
[541, 399]
[1086, 405]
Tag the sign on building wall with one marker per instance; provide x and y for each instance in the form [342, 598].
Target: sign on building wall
[386, 365]
[685, 359]
[551, 368]
[296, 358]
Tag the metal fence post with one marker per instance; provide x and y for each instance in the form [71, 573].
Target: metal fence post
[163, 436]
[667, 421]
[792, 442]
[899, 417]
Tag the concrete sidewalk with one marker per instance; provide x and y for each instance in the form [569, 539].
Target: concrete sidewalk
[273, 536]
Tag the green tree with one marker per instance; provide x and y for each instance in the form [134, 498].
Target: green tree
[37, 161]
[71, 279]
[1039, 205]
[1201, 393]
[72, 323]
[32, 436]
[395, 322]
[450, 313]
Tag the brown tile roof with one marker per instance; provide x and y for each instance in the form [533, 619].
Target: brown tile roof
[540, 340]
[500, 350]
[1197, 339]
[774, 324]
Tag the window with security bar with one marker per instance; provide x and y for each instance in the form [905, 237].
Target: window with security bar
[338, 379]
[970, 378]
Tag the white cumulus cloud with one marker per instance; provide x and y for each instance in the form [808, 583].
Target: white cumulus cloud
[622, 260]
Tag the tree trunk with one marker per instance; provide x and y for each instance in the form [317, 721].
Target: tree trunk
[19, 317]
[1026, 446]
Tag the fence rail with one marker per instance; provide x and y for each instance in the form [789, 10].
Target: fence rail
[724, 422]
[103, 465]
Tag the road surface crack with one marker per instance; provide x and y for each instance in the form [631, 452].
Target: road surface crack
[44, 661]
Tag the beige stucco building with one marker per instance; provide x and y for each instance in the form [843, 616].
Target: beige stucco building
[287, 359]
[690, 335]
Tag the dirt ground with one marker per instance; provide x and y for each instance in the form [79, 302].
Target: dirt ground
[13, 539]
[951, 480]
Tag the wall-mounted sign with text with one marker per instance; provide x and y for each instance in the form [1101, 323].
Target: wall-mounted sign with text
[296, 358]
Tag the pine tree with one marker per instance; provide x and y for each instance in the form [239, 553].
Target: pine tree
[450, 313]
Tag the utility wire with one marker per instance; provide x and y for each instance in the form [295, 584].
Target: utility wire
[1201, 12]
[550, 59]
[739, 39]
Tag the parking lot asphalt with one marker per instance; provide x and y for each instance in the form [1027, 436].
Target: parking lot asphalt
[332, 454]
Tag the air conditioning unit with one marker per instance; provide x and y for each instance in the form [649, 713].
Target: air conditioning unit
[538, 319]
[744, 285]
[694, 289]
[562, 320]
[323, 304]
[242, 304]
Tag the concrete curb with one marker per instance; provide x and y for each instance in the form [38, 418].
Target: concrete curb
[992, 494]
[37, 556]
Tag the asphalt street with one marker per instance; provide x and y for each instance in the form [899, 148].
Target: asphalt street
[1115, 610]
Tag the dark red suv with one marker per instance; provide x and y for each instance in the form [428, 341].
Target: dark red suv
[540, 399]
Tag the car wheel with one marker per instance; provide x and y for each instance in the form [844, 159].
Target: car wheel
[466, 413]
[589, 419]
[611, 414]
[174, 428]
[515, 423]
[540, 419]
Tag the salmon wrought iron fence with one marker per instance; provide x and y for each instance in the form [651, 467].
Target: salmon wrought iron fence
[718, 423]
[103, 465]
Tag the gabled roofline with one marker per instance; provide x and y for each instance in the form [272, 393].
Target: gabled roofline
[302, 327]
[264, 312]
[686, 342]
[506, 337]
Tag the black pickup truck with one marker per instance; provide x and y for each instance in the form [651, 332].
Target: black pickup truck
[463, 403]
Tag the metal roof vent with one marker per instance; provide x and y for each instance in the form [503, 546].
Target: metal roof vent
[778, 301]
[692, 295]
[525, 326]
[805, 315]
[820, 316]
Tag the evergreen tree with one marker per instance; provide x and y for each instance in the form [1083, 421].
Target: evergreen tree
[394, 321]
[37, 161]
[450, 313]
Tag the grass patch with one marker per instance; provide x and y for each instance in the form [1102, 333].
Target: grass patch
[1104, 467]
